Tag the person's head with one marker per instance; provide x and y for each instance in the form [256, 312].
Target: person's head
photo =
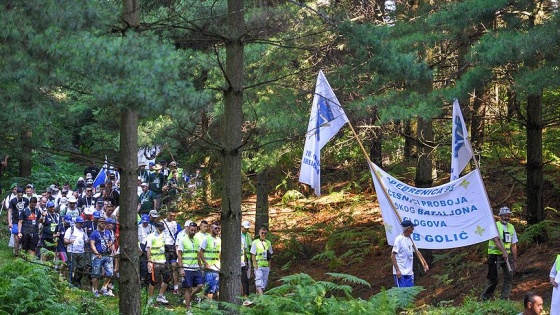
[50, 206]
[204, 226]
[215, 229]
[191, 229]
[89, 191]
[263, 231]
[245, 225]
[157, 168]
[139, 181]
[145, 220]
[532, 304]
[160, 226]
[173, 165]
[171, 216]
[144, 186]
[29, 190]
[154, 214]
[14, 188]
[408, 227]
[96, 215]
[19, 192]
[72, 202]
[43, 201]
[32, 202]
[109, 223]
[101, 223]
[505, 215]
[99, 204]
[80, 222]
[109, 207]
[142, 166]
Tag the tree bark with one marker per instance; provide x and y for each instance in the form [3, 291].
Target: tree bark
[129, 289]
[230, 284]
[424, 169]
[535, 208]
[25, 161]
[477, 122]
[409, 143]
[263, 189]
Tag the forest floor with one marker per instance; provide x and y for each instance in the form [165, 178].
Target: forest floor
[342, 232]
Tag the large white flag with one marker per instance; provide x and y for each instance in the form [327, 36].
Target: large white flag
[461, 150]
[327, 117]
[452, 215]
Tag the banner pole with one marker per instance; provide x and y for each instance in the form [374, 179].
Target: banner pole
[370, 164]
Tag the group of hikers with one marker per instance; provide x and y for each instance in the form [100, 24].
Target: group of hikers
[77, 228]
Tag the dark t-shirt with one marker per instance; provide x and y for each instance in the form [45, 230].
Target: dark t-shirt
[30, 219]
[156, 182]
[146, 200]
[51, 224]
[17, 205]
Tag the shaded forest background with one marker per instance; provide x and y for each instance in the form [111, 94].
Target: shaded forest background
[226, 86]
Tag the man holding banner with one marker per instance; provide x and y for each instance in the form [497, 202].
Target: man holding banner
[502, 251]
[402, 256]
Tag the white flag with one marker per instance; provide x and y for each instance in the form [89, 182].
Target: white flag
[327, 117]
[461, 150]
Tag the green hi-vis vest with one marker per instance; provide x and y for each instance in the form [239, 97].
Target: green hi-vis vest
[190, 252]
[492, 248]
[212, 251]
[248, 242]
[157, 248]
[261, 256]
[558, 263]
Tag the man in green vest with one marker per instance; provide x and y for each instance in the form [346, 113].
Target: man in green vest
[502, 251]
[246, 242]
[261, 251]
[157, 267]
[209, 255]
[187, 255]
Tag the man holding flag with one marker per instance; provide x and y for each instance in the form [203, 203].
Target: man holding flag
[327, 117]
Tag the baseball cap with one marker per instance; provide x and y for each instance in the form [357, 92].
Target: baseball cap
[79, 220]
[154, 213]
[109, 220]
[144, 184]
[63, 201]
[72, 199]
[97, 214]
[88, 210]
[188, 223]
[50, 204]
[145, 218]
[408, 223]
[246, 224]
[68, 218]
[504, 210]
[101, 219]
[12, 186]
[160, 225]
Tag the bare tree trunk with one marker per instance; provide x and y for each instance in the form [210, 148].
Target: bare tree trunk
[129, 269]
[25, 161]
[409, 143]
[477, 122]
[230, 275]
[263, 189]
[535, 208]
[425, 168]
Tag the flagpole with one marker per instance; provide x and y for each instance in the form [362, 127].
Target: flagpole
[370, 163]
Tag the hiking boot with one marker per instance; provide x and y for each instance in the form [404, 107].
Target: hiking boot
[95, 294]
[161, 299]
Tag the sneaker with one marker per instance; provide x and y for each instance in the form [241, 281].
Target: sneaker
[103, 291]
[247, 302]
[150, 301]
[161, 299]
[96, 294]
[109, 293]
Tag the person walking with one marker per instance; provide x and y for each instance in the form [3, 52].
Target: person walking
[554, 281]
[502, 251]
[402, 256]
[261, 254]
[75, 239]
[187, 253]
[209, 255]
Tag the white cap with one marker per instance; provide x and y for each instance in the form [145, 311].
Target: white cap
[72, 199]
[504, 210]
[188, 223]
[64, 200]
[246, 224]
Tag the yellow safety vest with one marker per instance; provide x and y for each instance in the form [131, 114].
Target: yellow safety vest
[262, 248]
[157, 249]
[190, 252]
[248, 242]
[212, 250]
[492, 248]
[558, 263]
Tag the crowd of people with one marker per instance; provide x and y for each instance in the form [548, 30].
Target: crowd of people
[78, 229]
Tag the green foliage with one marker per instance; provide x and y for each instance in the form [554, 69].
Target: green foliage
[291, 195]
[300, 294]
[23, 287]
[472, 307]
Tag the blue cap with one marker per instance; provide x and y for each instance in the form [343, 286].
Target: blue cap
[408, 223]
[152, 163]
[80, 220]
[50, 204]
[145, 218]
[109, 220]
[67, 218]
[97, 214]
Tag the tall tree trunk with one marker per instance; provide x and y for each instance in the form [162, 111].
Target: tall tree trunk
[230, 284]
[129, 301]
[477, 122]
[263, 189]
[376, 142]
[409, 143]
[535, 208]
[26, 152]
[129, 290]
[424, 169]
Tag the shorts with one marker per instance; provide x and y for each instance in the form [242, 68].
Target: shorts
[261, 277]
[193, 278]
[212, 279]
[29, 241]
[170, 254]
[160, 273]
[106, 262]
[405, 281]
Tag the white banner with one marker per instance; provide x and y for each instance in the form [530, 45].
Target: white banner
[452, 215]
[327, 117]
[148, 154]
[461, 150]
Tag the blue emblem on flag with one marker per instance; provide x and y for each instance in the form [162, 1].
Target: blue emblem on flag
[459, 137]
[324, 115]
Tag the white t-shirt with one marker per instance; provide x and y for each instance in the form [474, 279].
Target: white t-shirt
[404, 253]
[79, 238]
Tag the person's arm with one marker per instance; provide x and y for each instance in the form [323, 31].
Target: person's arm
[20, 223]
[202, 259]
[180, 260]
[552, 275]
[10, 217]
[501, 247]
[395, 265]
[93, 249]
